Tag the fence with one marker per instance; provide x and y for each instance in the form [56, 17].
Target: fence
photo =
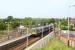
[65, 40]
[12, 34]
[42, 42]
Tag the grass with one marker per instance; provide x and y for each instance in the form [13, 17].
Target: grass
[56, 44]
[4, 32]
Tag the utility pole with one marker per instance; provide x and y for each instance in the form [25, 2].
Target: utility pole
[68, 30]
[69, 23]
[27, 38]
[59, 29]
[42, 31]
[49, 28]
[8, 23]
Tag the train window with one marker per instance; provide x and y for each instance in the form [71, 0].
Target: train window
[33, 30]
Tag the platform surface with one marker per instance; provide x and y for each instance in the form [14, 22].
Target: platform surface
[12, 40]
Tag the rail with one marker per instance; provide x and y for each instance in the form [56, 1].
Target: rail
[42, 42]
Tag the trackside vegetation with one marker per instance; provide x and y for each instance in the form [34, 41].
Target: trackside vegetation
[27, 22]
[56, 44]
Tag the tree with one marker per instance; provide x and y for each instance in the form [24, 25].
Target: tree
[49, 21]
[2, 25]
[64, 24]
[9, 18]
[15, 23]
[27, 21]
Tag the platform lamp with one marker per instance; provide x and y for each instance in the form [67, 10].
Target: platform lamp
[8, 24]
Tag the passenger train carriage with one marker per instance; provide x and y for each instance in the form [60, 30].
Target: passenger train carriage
[39, 30]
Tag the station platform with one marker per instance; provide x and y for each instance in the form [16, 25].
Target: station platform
[13, 40]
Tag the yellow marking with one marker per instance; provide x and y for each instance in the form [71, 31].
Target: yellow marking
[34, 33]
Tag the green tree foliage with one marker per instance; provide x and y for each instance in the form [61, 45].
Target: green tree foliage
[9, 19]
[51, 21]
[2, 25]
[28, 22]
[15, 23]
[64, 24]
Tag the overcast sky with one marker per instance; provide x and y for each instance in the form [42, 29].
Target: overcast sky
[36, 8]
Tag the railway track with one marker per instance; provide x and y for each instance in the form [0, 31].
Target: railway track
[30, 41]
[22, 44]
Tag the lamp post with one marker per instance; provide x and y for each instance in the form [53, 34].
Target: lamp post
[68, 30]
[8, 24]
[59, 29]
[69, 24]
[27, 38]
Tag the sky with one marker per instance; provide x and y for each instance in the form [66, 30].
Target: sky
[37, 8]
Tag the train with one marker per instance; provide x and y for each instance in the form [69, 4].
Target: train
[39, 30]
